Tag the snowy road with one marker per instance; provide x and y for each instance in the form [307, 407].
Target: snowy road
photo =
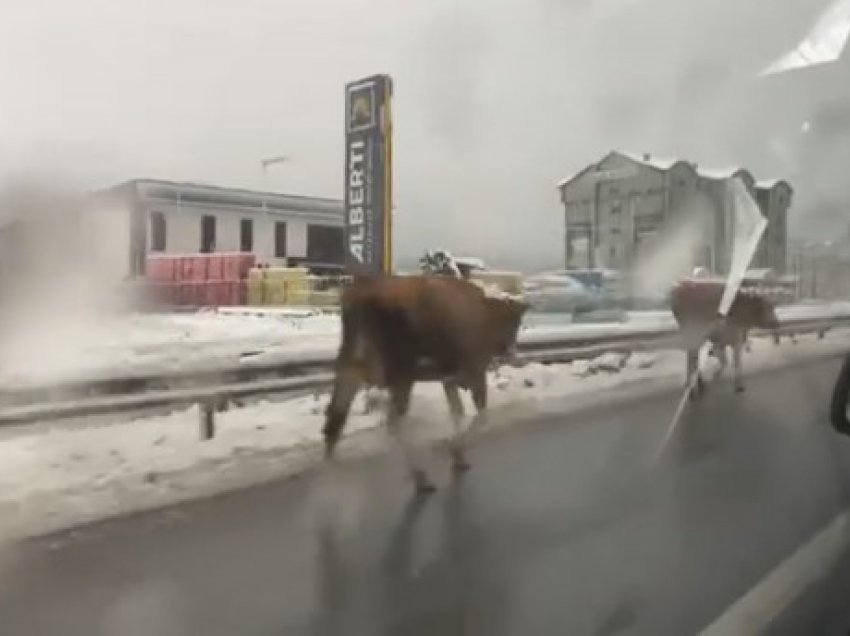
[561, 527]
[58, 475]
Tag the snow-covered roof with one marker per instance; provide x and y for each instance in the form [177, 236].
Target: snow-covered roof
[659, 163]
[572, 176]
[665, 163]
[718, 173]
[769, 184]
[644, 159]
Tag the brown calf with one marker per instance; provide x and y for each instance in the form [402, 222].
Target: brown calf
[400, 330]
[695, 304]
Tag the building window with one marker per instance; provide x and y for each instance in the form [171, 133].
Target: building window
[246, 235]
[325, 244]
[612, 252]
[615, 230]
[158, 232]
[207, 234]
[616, 208]
[280, 239]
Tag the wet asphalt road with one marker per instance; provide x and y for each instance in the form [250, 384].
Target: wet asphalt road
[561, 527]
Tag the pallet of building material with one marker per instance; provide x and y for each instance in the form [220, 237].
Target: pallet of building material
[326, 298]
[191, 293]
[216, 267]
[277, 286]
[160, 268]
[508, 282]
[237, 265]
[298, 293]
[286, 273]
[224, 293]
[256, 286]
[193, 268]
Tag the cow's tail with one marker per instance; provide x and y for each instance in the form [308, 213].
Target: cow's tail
[348, 376]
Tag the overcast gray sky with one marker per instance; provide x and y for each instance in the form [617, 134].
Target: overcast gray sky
[495, 99]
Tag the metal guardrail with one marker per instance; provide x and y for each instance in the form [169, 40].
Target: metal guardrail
[313, 374]
[211, 399]
[297, 365]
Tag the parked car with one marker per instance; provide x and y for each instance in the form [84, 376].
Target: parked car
[559, 292]
[609, 285]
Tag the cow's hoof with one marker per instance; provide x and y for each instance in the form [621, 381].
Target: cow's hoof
[459, 462]
[460, 465]
[698, 390]
[423, 483]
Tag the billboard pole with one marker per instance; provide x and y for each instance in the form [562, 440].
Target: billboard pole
[368, 175]
[388, 177]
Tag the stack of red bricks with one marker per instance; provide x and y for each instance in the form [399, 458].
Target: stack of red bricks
[199, 280]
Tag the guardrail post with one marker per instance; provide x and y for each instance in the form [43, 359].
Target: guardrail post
[207, 417]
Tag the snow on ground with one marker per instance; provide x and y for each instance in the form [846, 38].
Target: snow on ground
[162, 343]
[57, 476]
[139, 344]
[813, 310]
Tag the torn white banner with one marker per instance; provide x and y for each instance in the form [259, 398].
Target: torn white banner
[748, 226]
[823, 44]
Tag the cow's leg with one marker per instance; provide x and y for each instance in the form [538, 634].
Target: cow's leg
[737, 373]
[398, 406]
[692, 360]
[346, 384]
[693, 375]
[478, 389]
[722, 358]
[456, 407]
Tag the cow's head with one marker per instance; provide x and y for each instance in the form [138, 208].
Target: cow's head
[768, 318]
[505, 319]
[766, 314]
[753, 311]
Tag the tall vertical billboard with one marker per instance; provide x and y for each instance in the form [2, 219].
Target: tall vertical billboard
[368, 175]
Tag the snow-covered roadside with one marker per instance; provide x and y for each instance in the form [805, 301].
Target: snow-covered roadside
[157, 343]
[167, 343]
[58, 477]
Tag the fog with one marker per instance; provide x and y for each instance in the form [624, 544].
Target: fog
[59, 289]
[495, 101]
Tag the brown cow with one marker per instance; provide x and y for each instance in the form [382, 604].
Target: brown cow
[400, 330]
[695, 304]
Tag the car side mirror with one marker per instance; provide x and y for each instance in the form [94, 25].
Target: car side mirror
[841, 399]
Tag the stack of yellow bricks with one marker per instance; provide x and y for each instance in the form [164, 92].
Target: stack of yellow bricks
[293, 286]
[288, 286]
[508, 282]
[276, 285]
